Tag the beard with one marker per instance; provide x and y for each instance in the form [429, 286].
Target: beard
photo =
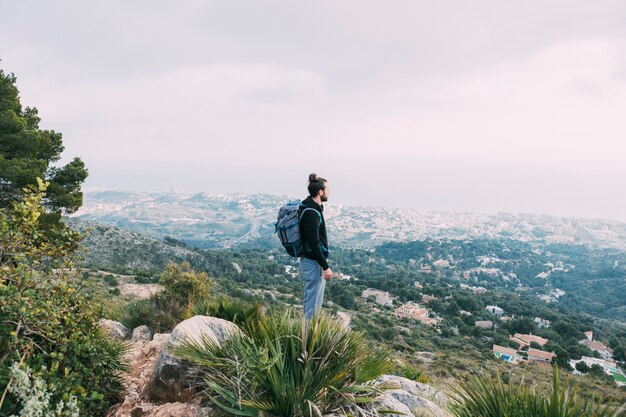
[323, 198]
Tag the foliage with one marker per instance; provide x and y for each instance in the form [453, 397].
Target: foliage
[163, 311]
[487, 396]
[41, 307]
[111, 280]
[410, 372]
[27, 153]
[31, 392]
[182, 283]
[227, 308]
[283, 368]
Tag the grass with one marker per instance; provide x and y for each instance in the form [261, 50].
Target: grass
[486, 396]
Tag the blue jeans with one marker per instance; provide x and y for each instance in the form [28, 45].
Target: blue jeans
[314, 284]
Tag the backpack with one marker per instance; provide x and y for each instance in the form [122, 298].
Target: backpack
[288, 227]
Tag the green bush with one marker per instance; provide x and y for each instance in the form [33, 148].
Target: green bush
[491, 397]
[46, 325]
[281, 367]
[164, 310]
[184, 284]
[111, 280]
[159, 313]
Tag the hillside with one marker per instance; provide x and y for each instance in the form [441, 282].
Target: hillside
[449, 272]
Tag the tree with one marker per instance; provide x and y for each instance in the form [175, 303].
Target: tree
[582, 367]
[28, 152]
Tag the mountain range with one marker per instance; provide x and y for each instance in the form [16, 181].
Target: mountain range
[211, 220]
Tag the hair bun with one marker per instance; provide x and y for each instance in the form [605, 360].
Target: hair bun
[312, 177]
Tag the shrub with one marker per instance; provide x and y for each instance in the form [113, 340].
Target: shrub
[182, 283]
[281, 367]
[111, 280]
[42, 313]
[163, 311]
[490, 397]
[159, 313]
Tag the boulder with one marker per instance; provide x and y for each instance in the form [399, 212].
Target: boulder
[115, 329]
[141, 334]
[170, 410]
[418, 406]
[416, 388]
[391, 404]
[171, 379]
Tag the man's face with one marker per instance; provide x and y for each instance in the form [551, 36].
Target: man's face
[325, 193]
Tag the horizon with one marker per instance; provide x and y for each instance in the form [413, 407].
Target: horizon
[333, 203]
[459, 107]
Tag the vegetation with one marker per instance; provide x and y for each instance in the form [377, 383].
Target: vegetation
[48, 329]
[486, 396]
[281, 367]
[28, 153]
[164, 310]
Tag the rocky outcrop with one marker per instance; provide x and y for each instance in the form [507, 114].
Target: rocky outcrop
[157, 384]
[420, 399]
[171, 379]
[114, 329]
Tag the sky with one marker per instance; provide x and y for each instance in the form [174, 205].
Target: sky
[484, 106]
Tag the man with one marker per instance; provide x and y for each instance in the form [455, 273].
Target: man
[313, 263]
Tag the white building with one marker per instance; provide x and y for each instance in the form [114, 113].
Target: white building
[495, 310]
[382, 297]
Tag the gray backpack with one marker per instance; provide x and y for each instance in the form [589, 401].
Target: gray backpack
[288, 226]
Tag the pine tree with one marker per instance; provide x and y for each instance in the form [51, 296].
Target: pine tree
[28, 152]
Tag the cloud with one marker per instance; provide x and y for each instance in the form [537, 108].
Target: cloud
[459, 93]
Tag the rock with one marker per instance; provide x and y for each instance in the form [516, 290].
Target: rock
[391, 404]
[417, 405]
[416, 388]
[114, 329]
[171, 381]
[141, 334]
[420, 399]
[142, 358]
[170, 410]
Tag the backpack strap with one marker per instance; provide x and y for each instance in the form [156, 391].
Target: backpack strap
[302, 210]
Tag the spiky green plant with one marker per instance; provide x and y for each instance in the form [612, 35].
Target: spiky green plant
[227, 308]
[486, 396]
[281, 367]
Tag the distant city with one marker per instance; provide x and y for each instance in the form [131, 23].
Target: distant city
[211, 220]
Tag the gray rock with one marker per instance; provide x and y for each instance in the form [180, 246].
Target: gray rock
[170, 410]
[171, 378]
[388, 403]
[115, 329]
[418, 406]
[416, 388]
[141, 334]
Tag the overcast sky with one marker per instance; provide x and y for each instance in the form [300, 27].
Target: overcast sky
[479, 106]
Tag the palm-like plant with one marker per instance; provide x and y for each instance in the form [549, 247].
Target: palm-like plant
[227, 308]
[490, 397]
[281, 366]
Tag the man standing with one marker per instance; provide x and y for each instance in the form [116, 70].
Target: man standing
[313, 263]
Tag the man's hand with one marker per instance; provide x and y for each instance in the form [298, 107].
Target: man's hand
[328, 274]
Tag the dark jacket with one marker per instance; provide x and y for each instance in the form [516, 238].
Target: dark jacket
[313, 233]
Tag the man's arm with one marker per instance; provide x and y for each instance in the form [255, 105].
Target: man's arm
[310, 233]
